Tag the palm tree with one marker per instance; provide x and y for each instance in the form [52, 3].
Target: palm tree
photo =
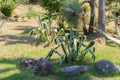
[73, 13]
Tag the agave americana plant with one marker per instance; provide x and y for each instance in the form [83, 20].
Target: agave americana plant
[45, 33]
[74, 49]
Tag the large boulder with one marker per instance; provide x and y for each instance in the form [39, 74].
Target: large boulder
[26, 63]
[106, 66]
[73, 70]
[43, 67]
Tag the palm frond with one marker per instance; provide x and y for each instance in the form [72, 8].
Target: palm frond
[71, 11]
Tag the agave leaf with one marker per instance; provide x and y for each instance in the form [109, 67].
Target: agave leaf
[73, 53]
[50, 54]
[92, 53]
[77, 48]
[62, 59]
[89, 46]
[80, 56]
[45, 25]
[93, 49]
[62, 46]
[83, 55]
[39, 21]
[64, 49]
[31, 33]
[57, 52]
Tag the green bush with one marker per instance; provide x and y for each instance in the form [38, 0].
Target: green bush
[51, 5]
[7, 7]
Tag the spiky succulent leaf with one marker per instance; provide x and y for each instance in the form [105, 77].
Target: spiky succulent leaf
[62, 59]
[89, 46]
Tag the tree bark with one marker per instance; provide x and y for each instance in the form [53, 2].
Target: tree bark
[92, 16]
[84, 26]
[101, 15]
[101, 21]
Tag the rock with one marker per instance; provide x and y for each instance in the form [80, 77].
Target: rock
[43, 67]
[100, 40]
[73, 70]
[106, 66]
[26, 63]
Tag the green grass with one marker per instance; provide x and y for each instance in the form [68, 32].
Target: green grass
[10, 56]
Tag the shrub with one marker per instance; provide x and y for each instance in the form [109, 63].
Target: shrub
[51, 5]
[7, 7]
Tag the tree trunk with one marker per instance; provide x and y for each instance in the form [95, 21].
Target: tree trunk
[92, 16]
[101, 21]
[101, 15]
[84, 26]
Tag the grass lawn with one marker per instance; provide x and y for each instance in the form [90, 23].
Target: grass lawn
[10, 55]
[15, 45]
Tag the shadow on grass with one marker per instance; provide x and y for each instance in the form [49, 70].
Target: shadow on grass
[8, 61]
[14, 39]
[6, 70]
[22, 38]
[28, 76]
[18, 76]
[9, 72]
[112, 44]
[12, 65]
[26, 29]
[25, 36]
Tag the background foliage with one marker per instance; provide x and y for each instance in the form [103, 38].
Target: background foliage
[7, 7]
